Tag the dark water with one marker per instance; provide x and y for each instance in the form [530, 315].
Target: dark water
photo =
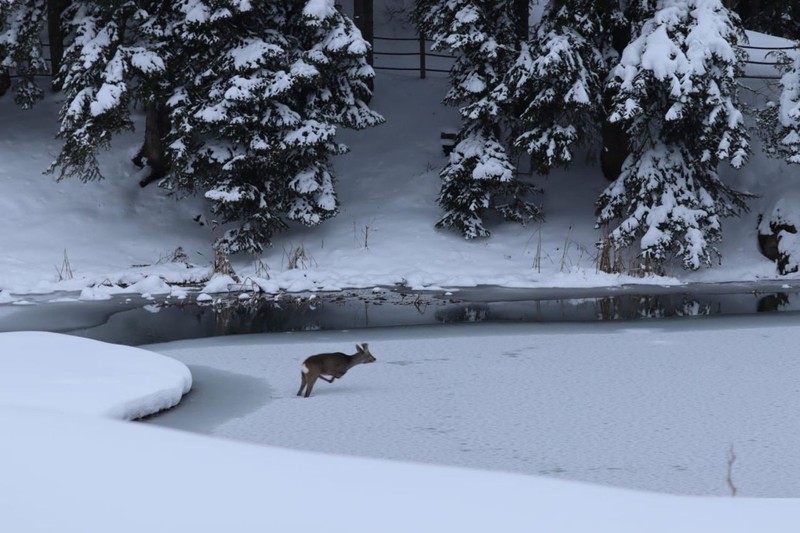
[135, 321]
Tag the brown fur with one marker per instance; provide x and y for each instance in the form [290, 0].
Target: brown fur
[335, 365]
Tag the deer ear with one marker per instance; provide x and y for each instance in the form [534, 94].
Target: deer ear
[359, 348]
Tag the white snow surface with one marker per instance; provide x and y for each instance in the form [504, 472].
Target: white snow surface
[83, 376]
[653, 406]
[78, 474]
[567, 402]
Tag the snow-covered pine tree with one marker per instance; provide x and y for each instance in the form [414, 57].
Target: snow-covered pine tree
[109, 65]
[558, 80]
[675, 91]
[779, 123]
[21, 52]
[336, 96]
[257, 110]
[479, 175]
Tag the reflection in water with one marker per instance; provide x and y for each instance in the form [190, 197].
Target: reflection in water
[360, 311]
[773, 302]
[626, 307]
[151, 322]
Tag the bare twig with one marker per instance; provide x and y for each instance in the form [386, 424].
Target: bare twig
[731, 460]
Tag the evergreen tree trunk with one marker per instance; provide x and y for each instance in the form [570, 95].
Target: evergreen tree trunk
[55, 35]
[521, 7]
[363, 16]
[5, 81]
[152, 152]
[614, 151]
[615, 143]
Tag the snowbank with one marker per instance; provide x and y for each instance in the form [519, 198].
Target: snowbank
[80, 474]
[75, 375]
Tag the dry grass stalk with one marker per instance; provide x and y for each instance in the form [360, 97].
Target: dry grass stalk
[262, 269]
[567, 244]
[65, 271]
[299, 257]
[223, 266]
[537, 259]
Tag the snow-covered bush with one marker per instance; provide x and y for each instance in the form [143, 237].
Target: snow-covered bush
[779, 123]
[675, 92]
[779, 231]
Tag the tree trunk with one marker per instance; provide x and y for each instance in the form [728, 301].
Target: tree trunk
[152, 151]
[523, 18]
[614, 150]
[615, 144]
[363, 16]
[55, 36]
[5, 81]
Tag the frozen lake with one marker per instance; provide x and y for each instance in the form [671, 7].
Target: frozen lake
[653, 405]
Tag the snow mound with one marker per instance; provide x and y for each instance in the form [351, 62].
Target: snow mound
[76, 375]
[137, 478]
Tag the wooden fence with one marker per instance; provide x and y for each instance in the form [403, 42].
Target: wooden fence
[388, 60]
[419, 49]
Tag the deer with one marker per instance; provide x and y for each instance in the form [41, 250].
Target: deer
[334, 365]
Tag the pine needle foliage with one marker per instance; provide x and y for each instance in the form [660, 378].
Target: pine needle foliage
[675, 91]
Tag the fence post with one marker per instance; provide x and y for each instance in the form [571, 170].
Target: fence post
[422, 67]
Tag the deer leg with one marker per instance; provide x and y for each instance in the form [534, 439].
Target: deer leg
[310, 384]
[302, 383]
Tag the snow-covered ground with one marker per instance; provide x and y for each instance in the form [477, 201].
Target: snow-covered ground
[577, 405]
[75, 474]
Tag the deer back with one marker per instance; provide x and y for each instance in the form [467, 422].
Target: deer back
[329, 364]
[337, 363]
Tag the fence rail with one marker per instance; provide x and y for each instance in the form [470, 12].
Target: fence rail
[422, 52]
[772, 48]
[383, 59]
